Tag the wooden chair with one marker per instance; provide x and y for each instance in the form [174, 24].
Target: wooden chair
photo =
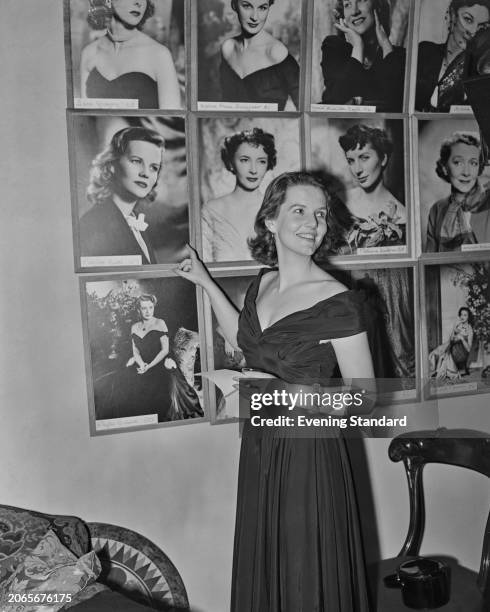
[470, 592]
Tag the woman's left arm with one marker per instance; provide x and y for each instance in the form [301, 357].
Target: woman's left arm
[356, 367]
[167, 82]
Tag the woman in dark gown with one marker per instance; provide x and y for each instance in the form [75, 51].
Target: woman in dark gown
[360, 65]
[154, 383]
[255, 66]
[126, 63]
[440, 66]
[297, 540]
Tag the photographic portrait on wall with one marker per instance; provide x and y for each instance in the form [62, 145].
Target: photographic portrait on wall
[126, 53]
[363, 164]
[239, 157]
[359, 53]
[389, 303]
[454, 186]
[142, 351]
[248, 53]
[457, 307]
[446, 29]
[129, 189]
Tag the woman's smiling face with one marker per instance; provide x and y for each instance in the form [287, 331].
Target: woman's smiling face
[359, 15]
[463, 167]
[467, 21]
[301, 223]
[252, 14]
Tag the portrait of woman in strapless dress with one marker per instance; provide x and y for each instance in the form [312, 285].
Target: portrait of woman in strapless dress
[124, 62]
[227, 222]
[255, 66]
[440, 65]
[297, 538]
[153, 382]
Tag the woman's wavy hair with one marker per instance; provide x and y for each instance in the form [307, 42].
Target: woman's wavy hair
[102, 172]
[470, 314]
[466, 138]
[234, 3]
[382, 8]
[360, 135]
[100, 13]
[146, 297]
[262, 245]
[457, 4]
[255, 137]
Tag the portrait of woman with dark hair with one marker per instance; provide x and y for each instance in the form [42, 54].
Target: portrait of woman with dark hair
[124, 62]
[378, 218]
[121, 177]
[360, 65]
[440, 65]
[463, 217]
[227, 221]
[255, 66]
[449, 361]
[299, 325]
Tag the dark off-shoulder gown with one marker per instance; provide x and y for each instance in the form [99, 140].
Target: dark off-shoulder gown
[297, 540]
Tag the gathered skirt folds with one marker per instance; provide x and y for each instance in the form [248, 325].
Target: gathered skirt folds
[297, 539]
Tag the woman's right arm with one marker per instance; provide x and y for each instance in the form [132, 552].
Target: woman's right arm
[193, 270]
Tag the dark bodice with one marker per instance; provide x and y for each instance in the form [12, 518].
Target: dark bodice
[269, 85]
[132, 85]
[294, 347]
[346, 78]
[149, 345]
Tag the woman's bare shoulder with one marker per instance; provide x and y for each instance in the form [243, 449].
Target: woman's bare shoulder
[160, 325]
[327, 286]
[228, 47]
[90, 51]
[277, 51]
[218, 204]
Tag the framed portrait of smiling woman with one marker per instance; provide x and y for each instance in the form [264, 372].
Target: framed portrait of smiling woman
[129, 189]
[445, 27]
[364, 165]
[358, 55]
[454, 186]
[126, 54]
[248, 54]
[239, 156]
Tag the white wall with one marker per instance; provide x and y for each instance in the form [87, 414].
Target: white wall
[175, 485]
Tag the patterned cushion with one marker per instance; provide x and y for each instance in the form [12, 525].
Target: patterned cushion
[22, 530]
[50, 568]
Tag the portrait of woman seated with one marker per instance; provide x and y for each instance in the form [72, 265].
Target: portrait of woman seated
[126, 63]
[378, 219]
[359, 64]
[255, 66]
[463, 217]
[152, 382]
[121, 177]
[227, 222]
[440, 66]
[449, 361]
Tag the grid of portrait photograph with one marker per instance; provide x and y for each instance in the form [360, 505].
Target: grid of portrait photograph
[182, 113]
